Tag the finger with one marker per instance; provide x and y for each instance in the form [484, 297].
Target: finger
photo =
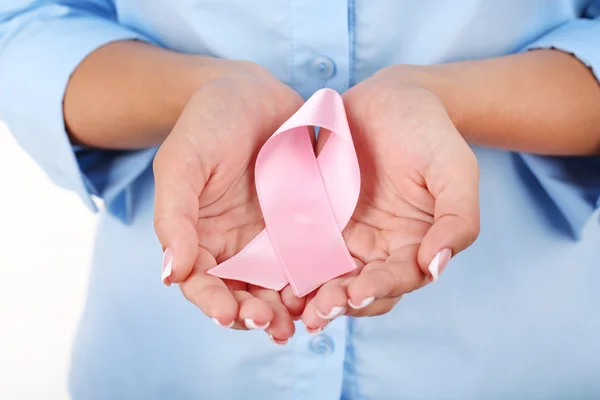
[456, 217]
[178, 182]
[208, 292]
[282, 326]
[295, 305]
[398, 275]
[254, 313]
[329, 302]
[378, 307]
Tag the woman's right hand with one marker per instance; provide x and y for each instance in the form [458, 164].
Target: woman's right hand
[206, 206]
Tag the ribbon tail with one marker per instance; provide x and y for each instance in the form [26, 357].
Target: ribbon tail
[256, 264]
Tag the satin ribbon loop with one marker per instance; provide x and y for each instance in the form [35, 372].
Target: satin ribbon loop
[306, 202]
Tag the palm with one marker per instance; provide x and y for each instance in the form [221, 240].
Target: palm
[395, 209]
[412, 160]
[378, 232]
[229, 214]
[206, 170]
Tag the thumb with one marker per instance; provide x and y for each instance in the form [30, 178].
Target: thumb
[178, 182]
[454, 184]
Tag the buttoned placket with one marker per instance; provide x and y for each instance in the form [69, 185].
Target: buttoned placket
[320, 54]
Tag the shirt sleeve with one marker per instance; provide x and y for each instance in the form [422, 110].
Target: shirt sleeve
[573, 183]
[41, 43]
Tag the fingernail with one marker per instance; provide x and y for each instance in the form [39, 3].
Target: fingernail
[250, 324]
[229, 325]
[363, 304]
[167, 265]
[439, 262]
[277, 341]
[333, 313]
[318, 330]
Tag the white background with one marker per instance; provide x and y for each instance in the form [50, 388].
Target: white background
[45, 251]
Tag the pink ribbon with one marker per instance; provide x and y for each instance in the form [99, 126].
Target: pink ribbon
[306, 202]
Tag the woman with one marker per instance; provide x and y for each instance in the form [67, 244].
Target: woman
[91, 88]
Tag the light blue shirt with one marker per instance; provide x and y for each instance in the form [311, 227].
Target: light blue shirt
[515, 316]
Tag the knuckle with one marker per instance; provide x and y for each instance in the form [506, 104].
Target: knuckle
[197, 295]
[390, 304]
[471, 229]
[159, 223]
[395, 281]
[188, 293]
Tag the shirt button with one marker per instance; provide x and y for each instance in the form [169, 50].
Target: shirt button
[322, 344]
[323, 67]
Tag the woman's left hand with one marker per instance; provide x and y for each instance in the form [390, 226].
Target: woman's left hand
[418, 204]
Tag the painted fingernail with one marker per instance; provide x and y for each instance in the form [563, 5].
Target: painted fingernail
[229, 325]
[277, 341]
[333, 313]
[167, 265]
[439, 262]
[250, 324]
[317, 330]
[363, 303]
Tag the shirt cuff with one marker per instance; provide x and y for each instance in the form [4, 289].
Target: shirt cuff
[580, 37]
[573, 183]
[37, 58]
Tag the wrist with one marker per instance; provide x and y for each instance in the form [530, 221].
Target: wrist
[238, 73]
[130, 94]
[443, 81]
[247, 82]
[192, 76]
[196, 73]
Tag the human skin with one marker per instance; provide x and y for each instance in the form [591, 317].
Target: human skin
[130, 95]
[419, 194]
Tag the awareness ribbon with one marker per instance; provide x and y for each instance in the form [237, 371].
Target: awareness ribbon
[306, 202]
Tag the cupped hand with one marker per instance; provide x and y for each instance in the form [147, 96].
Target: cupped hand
[206, 206]
[418, 204]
